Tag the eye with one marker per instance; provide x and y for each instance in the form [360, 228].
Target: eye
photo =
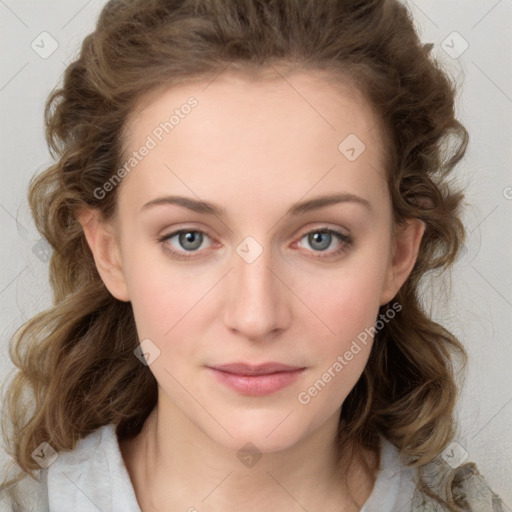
[188, 240]
[321, 239]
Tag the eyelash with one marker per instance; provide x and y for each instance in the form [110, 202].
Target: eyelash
[345, 246]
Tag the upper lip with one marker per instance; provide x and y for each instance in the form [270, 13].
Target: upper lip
[251, 369]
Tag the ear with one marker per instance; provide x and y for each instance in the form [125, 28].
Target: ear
[100, 236]
[405, 251]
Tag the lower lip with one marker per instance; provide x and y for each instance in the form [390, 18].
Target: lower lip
[257, 385]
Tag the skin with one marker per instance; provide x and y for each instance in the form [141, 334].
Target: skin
[255, 148]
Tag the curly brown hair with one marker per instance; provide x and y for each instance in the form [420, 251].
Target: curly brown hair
[76, 366]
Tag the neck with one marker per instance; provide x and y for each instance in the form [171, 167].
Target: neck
[175, 466]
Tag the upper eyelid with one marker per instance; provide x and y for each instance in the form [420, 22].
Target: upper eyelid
[302, 233]
[337, 232]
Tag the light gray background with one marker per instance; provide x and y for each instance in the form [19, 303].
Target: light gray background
[480, 311]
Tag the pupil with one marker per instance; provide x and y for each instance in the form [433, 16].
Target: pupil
[189, 237]
[317, 236]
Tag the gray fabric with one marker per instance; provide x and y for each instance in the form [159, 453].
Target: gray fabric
[96, 466]
[463, 486]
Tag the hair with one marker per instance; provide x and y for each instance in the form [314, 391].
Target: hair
[76, 368]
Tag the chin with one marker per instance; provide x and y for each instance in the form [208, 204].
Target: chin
[266, 431]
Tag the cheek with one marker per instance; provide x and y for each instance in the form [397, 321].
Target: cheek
[161, 295]
[347, 307]
[340, 304]
[160, 312]
[341, 355]
[348, 303]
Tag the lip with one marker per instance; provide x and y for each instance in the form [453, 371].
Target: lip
[256, 380]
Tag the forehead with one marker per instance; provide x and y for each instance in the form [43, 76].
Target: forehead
[328, 101]
[251, 136]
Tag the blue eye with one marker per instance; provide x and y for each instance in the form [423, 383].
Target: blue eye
[188, 239]
[191, 240]
[321, 239]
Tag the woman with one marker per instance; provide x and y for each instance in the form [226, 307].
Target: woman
[246, 197]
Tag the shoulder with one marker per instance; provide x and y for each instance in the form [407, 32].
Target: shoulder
[395, 483]
[92, 476]
[462, 485]
[415, 489]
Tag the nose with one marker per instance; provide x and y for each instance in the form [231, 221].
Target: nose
[258, 307]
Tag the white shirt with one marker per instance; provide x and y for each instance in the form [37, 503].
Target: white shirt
[93, 478]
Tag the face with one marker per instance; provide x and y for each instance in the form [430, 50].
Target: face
[249, 267]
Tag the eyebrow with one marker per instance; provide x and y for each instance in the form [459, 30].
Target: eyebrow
[301, 208]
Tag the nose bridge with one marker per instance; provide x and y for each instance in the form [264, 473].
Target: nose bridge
[257, 304]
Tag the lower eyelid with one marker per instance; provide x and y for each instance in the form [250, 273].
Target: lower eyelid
[343, 239]
[168, 237]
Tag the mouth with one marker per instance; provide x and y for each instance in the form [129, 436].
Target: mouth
[256, 380]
